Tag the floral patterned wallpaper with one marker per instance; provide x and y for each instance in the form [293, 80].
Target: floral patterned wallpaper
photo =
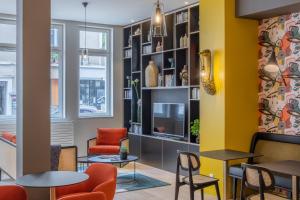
[279, 92]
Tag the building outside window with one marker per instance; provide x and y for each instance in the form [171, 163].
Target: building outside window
[8, 94]
[95, 90]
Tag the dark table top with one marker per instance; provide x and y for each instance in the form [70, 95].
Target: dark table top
[227, 154]
[51, 179]
[288, 167]
[106, 159]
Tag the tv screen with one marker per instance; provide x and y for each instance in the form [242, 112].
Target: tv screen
[168, 119]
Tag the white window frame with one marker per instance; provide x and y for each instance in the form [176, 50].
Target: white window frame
[62, 70]
[109, 71]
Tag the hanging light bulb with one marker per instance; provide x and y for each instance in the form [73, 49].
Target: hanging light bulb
[84, 52]
[158, 21]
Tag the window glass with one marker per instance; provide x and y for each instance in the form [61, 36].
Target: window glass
[8, 33]
[95, 40]
[93, 78]
[95, 74]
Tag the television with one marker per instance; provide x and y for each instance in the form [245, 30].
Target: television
[168, 119]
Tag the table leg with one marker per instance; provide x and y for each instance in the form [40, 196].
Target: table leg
[295, 187]
[52, 193]
[225, 169]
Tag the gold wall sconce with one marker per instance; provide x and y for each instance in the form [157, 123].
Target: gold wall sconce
[206, 72]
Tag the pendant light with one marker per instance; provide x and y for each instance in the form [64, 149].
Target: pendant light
[84, 53]
[158, 21]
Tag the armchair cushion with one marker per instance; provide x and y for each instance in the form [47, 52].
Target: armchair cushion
[12, 192]
[110, 136]
[9, 136]
[104, 149]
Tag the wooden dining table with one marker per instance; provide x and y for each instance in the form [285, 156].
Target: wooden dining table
[286, 167]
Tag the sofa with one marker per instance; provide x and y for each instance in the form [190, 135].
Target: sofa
[272, 147]
[108, 141]
[67, 156]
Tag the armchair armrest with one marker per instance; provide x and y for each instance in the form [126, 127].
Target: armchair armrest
[124, 142]
[90, 143]
[108, 187]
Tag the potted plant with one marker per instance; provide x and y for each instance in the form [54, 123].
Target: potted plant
[195, 126]
[123, 153]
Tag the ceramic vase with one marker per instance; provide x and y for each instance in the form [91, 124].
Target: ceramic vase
[151, 75]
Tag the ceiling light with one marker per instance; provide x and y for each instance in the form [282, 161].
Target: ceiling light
[186, 2]
[158, 21]
[84, 53]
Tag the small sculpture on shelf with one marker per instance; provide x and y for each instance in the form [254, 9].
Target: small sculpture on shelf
[128, 81]
[158, 47]
[151, 75]
[172, 62]
[137, 32]
[160, 80]
[130, 41]
[184, 76]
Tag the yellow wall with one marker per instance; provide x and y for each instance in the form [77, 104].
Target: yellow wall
[229, 118]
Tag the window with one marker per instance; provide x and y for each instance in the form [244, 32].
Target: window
[8, 69]
[57, 71]
[95, 73]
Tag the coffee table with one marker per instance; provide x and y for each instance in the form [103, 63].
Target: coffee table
[110, 159]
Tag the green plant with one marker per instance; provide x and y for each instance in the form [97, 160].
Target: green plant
[195, 126]
[135, 85]
[123, 149]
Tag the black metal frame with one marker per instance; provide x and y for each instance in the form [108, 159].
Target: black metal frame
[192, 185]
[269, 137]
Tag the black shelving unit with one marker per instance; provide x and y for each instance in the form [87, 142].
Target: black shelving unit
[153, 150]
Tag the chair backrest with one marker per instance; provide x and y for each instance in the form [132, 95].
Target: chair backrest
[187, 160]
[68, 159]
[100, 173]
[110, 136]
[12, 192]
[257, 178]
[86, 196]
[270, 146]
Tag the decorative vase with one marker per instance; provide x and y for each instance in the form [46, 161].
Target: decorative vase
[139, 111]
[184, 76]
[123, 155]
[151, 75]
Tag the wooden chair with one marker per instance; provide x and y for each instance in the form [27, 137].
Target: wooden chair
[190, 162]
[258, 179]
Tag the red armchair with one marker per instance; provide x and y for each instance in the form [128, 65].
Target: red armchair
[102, 178]
[87, 196]
[108, 141]
[12, 192]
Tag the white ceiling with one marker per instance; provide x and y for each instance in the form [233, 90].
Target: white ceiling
[115, 12]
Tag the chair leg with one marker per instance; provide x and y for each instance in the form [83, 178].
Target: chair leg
[176, 191]
[202, 194]
[234, 188]
[218, 191]
[191, 192]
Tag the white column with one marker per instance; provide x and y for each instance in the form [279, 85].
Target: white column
[33, 90]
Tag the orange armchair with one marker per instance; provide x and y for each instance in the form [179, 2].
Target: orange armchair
[12, 192]
[108, 141]
[87, 196]
[102, 178]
